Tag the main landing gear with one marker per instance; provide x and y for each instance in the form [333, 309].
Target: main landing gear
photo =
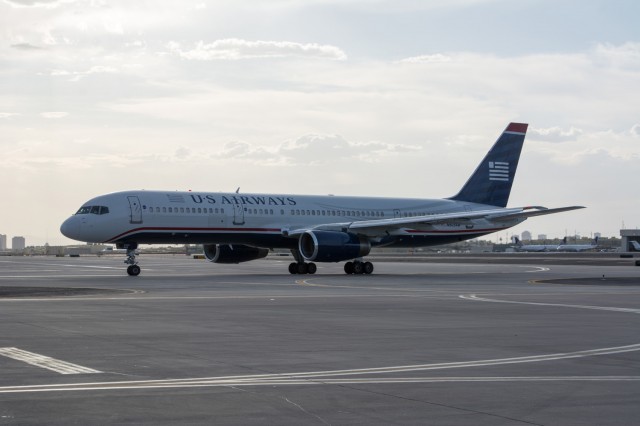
[133, 269]
[350, 268]
[358, 267]
[302, 268]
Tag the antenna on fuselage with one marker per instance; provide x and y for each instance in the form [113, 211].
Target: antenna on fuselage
[238, 190]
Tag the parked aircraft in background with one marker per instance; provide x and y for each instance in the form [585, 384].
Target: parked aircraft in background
[577, 247]
[537, 248]
[635, 245]
[236, 227]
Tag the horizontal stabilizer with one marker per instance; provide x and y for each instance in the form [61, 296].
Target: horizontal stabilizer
[536, 212]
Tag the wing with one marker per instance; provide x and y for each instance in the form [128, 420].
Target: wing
[385, 226]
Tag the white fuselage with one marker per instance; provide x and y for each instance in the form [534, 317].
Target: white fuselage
[263, 220]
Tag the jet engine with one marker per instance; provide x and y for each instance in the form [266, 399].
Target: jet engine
[236, 253]
[332, 246]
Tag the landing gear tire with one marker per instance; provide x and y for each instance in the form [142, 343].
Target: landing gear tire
[348, 268]
[302, 268]
[311, 268]
[133, 270]
[358, 268]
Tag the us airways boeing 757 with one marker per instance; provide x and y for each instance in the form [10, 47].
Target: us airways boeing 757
[235, 228]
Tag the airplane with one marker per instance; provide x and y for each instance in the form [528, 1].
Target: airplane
[577, 247]
[537, 248]
[235, 227]
[635, 244]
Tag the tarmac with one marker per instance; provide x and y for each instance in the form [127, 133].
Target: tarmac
[456, 342]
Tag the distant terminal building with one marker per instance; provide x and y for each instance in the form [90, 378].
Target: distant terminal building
[3, 242]
[542, 236]
[18, 243]
[629, 235]
[526, 236]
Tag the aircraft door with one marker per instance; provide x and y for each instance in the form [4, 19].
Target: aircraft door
[136, 209]
[238, 214]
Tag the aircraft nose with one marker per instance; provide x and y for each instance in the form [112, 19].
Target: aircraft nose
[70, 228]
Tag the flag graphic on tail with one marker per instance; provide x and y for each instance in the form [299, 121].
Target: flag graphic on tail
[499, 170]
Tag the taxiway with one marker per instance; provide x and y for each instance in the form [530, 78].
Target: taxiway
[189, 342]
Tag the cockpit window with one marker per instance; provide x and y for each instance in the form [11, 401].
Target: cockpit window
[93, 210]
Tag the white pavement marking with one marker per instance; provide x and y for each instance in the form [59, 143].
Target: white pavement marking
[561, 305]
[539, 269]
[325, 377]
[49, 363]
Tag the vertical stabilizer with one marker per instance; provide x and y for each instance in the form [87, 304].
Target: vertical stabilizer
[491, 182]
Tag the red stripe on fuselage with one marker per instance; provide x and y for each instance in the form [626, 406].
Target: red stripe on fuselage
[278, 231]
[132, 231]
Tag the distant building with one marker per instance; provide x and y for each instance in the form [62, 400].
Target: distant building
[3, 242]
[542, 236]
[18, 243]
[526, 236]
[629, 235]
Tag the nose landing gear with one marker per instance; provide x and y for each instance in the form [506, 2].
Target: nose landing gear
[133, 269]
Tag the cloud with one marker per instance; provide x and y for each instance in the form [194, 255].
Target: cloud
[235, 49]
[313, 149]
[54, 114]
[556, 134]
[37, 3]
[427, 59]
[623, 55]
[6, 115]
[78, 75]
[26, 47]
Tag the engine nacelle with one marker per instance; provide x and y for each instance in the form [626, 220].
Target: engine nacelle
[332, 246]
[226, 253]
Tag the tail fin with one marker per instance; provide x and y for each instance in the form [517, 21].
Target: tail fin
[491, 182]
[516, 240]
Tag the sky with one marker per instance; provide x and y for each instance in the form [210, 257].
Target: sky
[394, 98]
